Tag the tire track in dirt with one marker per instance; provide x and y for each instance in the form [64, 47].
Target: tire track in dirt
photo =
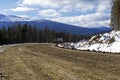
[14, 68]
[49, 65]
[45, 62]
[90, 65]
[56, 66]
[3, 76]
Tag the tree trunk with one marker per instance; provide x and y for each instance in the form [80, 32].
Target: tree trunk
[115, 15]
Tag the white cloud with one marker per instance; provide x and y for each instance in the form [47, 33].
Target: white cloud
[49, 13]
[22, 9]
[4, 11]
[84, 8]
[23, 16]
[43, 3]
[66, 5]
[94, 11]
[89, 20]
[66, 9]
[103, 6]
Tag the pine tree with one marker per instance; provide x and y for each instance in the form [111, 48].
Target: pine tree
[24, 33]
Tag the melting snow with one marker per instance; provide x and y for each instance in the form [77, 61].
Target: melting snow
[2, 48]
[108, 42]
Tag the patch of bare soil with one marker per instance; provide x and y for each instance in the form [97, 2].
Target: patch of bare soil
[46, 62]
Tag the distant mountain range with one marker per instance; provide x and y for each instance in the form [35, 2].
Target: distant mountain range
[6, 20]
[12, 18]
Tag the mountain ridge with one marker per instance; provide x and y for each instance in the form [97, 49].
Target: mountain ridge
[12, 18]
[57, 26]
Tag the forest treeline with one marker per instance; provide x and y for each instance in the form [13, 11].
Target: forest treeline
[26, 34]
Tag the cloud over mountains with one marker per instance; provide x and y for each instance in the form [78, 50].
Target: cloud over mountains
[77, 12]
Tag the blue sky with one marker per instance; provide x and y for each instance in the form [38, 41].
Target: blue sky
[85, 13]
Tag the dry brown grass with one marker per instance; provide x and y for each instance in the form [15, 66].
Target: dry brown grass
[46, 62]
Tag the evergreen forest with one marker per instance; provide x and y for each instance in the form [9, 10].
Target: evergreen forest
[31, 34]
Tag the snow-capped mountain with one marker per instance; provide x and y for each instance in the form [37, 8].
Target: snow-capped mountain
[12, 18]
[6, 20]
[107, 42]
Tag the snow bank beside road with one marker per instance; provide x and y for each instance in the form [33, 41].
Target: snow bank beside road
[108, 42]
[2, 48]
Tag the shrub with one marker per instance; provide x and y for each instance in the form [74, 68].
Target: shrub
[111, 40]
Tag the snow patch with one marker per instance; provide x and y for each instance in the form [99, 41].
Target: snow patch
[2, 48]
[107, 42]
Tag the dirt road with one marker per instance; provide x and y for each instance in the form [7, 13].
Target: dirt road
[46, 62]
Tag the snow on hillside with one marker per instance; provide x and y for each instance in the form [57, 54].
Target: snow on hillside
[12, 18]
[108, 42]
